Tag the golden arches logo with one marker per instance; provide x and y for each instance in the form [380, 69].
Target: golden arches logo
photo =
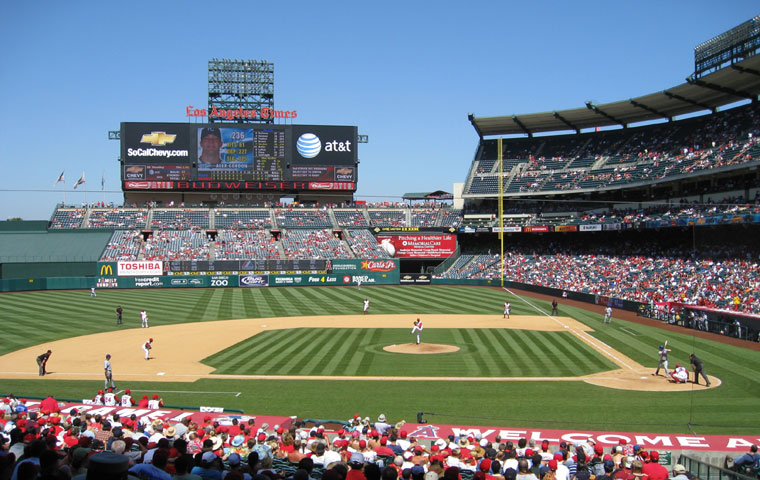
[106, 270]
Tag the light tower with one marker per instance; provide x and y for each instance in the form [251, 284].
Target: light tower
[241, 84]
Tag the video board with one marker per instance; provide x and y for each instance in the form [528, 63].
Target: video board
[238, 157]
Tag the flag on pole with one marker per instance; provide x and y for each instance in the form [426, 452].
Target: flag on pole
[103, 181]
[80, 181]
[60, 179]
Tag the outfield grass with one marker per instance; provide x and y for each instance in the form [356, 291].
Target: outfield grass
[37, 317]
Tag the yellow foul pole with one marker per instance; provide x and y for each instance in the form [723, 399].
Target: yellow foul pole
[501, 210]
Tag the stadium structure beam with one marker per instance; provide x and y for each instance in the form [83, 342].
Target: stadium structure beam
[566, 122]
[590, 105]
[471, 118]
[650, 109]
[751, 71]
[689, 101]
[719, 88]
[522, 125]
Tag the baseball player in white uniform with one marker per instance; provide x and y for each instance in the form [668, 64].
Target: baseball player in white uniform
[417, 329]
[507, 308]
[607, 315]
[146, 348]
[366, 306]
[109, 399]
[108, 372]
[144, 318]
[126, 399]
[680, 374]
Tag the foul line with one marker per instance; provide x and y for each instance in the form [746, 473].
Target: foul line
[583, 336]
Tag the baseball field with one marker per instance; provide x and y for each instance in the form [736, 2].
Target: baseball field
[310, 352]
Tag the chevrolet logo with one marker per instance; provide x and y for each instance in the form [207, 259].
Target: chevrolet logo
[158, 138]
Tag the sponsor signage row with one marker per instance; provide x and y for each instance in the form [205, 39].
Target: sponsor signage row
[414, 279]
[420, 246]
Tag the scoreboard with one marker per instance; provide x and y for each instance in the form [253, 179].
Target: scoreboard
[238, 157]
[247, 265]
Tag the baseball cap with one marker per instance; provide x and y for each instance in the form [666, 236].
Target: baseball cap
[357, 458]
[609, 465]
[108, 355]
[211, 131]
[679, 468]
[208, 457]
[553, 465]
[654, 455]
[416, 470]
[234, 459]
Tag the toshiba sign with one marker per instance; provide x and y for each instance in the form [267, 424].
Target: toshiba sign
[139, 269]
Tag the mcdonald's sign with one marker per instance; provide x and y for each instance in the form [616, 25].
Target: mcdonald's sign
[106, 269]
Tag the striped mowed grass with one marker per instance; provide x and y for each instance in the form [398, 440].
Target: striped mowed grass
[34, 318]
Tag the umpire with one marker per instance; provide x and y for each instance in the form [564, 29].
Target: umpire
[42, 362]
[699, 369]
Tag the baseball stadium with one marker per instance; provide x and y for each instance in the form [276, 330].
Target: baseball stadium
[588, 260]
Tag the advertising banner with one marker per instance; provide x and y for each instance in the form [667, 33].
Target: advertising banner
[421, 246]
[506, 229]
[536, 229]
[590, 228]
[136, 268]
[414, 279]
[566, 228]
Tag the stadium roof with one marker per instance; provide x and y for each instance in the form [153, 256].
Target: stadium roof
[437, 195]
[740, 81]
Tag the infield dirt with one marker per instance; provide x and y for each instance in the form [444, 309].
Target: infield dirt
[178, 350]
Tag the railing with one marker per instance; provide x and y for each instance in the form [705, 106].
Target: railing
[444, 265]
[705, 471]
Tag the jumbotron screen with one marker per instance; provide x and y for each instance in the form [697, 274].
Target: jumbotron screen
[237, 157]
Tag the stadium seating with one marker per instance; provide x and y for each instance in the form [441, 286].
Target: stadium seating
[305, 243]
[177, 245]
[124, 245]
[121, 218]
[388, 218]
[240, 245]
[244, 219]
[180, 219]
[302, 218]
[64, 217]
[350, 218]
[364, 245]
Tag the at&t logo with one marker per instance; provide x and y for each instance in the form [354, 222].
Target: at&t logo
[308, 145]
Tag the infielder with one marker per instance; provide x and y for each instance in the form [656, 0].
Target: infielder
[144, 318]
[366, 306]
[507, 308]
[146, 348]
[663, 353]
[417, 329]
[108, 372]
[607, 315]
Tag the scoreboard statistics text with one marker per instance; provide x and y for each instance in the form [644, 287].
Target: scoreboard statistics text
[198, 157]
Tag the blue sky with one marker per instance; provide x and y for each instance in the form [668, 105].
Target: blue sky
[406, 73]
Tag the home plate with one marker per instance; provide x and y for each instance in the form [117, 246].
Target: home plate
[263, 326]
[160, 373]
[643, 378]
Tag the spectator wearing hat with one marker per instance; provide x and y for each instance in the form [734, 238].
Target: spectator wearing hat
[652, 467]
[679, 472]
[625, 471]
[562, 472]
[209, 468]
[356, 465]
[234, 461]
[609, 467]
[382, 426]
[126, 399]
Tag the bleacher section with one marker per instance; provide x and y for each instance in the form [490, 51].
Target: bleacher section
[607, 159]
[350, 218]
[127, 218]
[364, 245]
[321, 244]
[177, 245]
[424, 217]
[450, 218]
[302, 218]
[67, 218]
[243, 219]
[180, 219]
[123, 245]
[242, 245]
[388, 218]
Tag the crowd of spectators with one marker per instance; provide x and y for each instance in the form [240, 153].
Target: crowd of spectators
[118, 218]
[721, 271]
[248, 244]
[610, 158]
[123, 245]
[321, 244]
[50, 443]
[364, 244]
[180, 219]
[177, 245]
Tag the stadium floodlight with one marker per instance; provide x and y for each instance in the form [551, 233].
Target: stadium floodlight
[241, 84]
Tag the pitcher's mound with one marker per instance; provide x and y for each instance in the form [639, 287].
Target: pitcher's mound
[421, 348]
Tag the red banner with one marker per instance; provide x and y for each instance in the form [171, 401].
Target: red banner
[420, 246]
